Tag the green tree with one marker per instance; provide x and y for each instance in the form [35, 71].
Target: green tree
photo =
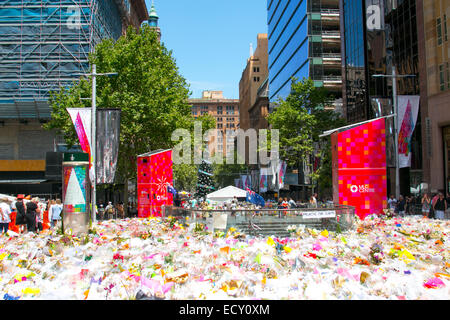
[185, 177]
[149, 90]
[300, 119]
[224, 174]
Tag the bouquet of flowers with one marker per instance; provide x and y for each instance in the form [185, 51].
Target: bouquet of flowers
[376, 253]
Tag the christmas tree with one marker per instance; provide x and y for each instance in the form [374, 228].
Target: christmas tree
[205, 182]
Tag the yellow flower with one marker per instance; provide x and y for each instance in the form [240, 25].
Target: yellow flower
[34, 291]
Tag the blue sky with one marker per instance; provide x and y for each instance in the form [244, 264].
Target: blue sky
[210, 39]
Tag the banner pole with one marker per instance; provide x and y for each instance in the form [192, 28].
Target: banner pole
[93, 140]
[396, 125]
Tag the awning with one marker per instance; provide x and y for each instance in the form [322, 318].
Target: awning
[24, 110]
[28, 181]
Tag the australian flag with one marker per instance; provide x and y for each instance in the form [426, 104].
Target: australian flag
[171, 189]
[255, 198]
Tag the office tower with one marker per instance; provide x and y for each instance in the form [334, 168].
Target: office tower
[304, 42]
[226, 113]
[253, 78]
[434, 70]
[378, 35]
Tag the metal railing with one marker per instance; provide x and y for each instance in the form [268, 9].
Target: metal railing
[332, 217]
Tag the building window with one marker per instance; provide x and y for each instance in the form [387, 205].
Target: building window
[255, 69]
[256, 79]
[219, 110]
[219, 119]
[439, 31]
[445, 28]
[230, 109]
[441, 77]
[448, 76]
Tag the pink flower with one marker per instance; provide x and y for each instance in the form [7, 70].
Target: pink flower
[434, 283]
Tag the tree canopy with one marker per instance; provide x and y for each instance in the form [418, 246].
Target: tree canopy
[300, 119]
[149, 91]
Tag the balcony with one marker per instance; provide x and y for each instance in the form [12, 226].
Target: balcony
[332, 83]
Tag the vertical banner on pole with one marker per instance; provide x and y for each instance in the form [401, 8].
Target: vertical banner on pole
[244, 181]
[263, 180]
[108, 134]
[408, 109]
[281, 173]
[108, 141]
[81, 119]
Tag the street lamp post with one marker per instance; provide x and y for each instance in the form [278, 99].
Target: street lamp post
[394, 77]
[94, 75]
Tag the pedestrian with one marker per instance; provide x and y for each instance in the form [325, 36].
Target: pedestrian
[401, 206]
[50, 204]
[120, 210]
[440, 206]
[55, 212]
[409, 204]
[313, 200]
[392, 202]
[292, 203]
[40, 214]
[21, 220]
[433, 202]
[5, 212]
[426, 205]
[32, 210]
[109, 210]
[101, 211]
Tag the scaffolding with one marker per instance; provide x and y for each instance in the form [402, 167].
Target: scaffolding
[45, 45]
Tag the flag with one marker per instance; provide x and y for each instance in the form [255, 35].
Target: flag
[171, 189]
[408, 109]
[281, 172]
[107, 142]
[255, 198]
[81, 119]
[263, 180]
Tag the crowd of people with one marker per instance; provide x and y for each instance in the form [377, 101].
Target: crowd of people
[431, 206]
[29, 213]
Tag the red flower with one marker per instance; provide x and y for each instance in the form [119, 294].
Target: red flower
[310, 255]
[118, 256]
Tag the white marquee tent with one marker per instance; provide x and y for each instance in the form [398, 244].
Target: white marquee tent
[227, 193]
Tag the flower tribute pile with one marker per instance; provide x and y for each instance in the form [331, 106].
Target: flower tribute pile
[398, 258]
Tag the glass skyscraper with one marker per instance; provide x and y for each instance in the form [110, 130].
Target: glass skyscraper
[377, 35]
[304, 41]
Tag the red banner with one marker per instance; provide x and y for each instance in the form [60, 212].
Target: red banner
[154, 175]
[361, 181]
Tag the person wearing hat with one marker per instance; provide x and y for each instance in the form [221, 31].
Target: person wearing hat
[5, 212]
[109, 210]
[21, 221]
